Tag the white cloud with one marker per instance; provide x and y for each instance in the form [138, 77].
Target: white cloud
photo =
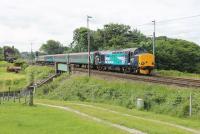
[25, 21]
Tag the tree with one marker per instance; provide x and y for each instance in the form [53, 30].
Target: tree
[1, 54]
[112, 36]
[80, 40]
[11, 53]
[52, 47]
[170, 53]
[175, 54]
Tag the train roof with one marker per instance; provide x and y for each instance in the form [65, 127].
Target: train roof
[81, 53]
[68, 54]
[103, 52]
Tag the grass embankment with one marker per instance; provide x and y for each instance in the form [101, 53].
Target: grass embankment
[11, 80]
[17, 81]
[158, 98]
[174, 73]
[20, 119]
[147, 122]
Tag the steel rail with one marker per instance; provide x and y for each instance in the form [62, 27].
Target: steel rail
[183, 82]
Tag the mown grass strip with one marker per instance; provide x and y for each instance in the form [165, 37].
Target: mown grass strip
[21, 119]
[132, 131]
[142, 118]
[148, 125]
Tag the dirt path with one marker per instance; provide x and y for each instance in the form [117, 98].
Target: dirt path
[130, 130]
[152, 120]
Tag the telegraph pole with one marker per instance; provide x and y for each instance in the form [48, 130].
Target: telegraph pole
[154, 36]
[88, 35]
[31, 54]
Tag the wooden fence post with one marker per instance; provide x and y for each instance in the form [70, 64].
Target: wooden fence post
[19, 97]
[14, 96]
[31, 96]
[9, 94]
[25, 97]
[3, 96]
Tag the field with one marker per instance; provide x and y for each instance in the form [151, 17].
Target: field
[46, 117]
[77, 104]
[87, 118]
[157, 124]
[21, 119]
[11, 80]
[17, 81]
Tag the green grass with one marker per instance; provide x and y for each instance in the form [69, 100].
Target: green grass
[160, 99]
[132, 121]
[17, 81]
[14, 81]
[174, 73]
[21, 119]
[39, 72]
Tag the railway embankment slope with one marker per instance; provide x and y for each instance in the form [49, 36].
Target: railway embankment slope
[160, 99]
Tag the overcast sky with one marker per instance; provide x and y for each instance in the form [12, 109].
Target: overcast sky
[26, 21]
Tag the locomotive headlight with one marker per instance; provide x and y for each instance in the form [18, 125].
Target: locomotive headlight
[142, 63]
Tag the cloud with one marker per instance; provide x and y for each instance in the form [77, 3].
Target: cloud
[26, 21]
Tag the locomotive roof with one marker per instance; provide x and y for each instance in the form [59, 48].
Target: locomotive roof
[120, 50]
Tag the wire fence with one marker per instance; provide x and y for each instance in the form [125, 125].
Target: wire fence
[23, 96]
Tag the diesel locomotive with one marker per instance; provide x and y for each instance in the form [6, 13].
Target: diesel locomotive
[132, 60]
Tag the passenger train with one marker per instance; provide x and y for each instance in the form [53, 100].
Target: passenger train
[131, 60]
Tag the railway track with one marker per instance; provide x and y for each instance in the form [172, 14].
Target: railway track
[182, 82]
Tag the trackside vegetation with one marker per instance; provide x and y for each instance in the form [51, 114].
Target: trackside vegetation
[161, 99]
[174, 73]
[35, 73]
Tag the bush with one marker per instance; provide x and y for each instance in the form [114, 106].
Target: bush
[35, 73]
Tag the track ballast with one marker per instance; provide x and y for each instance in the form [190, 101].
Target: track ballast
[182, 82]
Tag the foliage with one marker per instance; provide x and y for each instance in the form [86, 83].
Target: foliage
[171, 54]
[112, 36]
[35, 73]
[53, 47]
[1, 54]
[21, 63]
[176, 54]
[174, 73]
[158, 98]
[25, 77]
[11, 52]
